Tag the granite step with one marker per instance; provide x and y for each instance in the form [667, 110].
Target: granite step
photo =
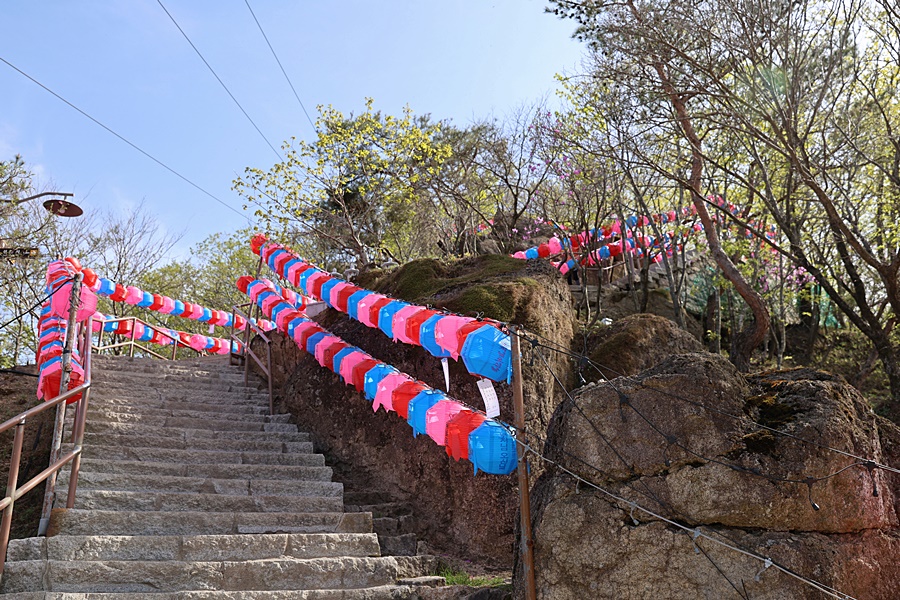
[191, 456]
[194, 502]
[205, 485]
[194, 547]
[122, 522]
[200, 444]
[206, 470]
[152, 576]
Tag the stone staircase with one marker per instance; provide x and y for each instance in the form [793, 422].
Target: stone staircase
[188, 489]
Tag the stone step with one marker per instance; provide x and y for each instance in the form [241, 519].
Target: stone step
[219, 457]
[196, 502]
[218, 405]
[200, 444]
[140, 412]
[194, 548]
[119, 522]
[192, 428]
[123, 382]
[151, 576]
[188, 391]
[405, 591]
[174, 375]
[206, 470]
[206, 485]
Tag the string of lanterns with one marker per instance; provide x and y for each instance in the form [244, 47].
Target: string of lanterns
[481, 343]
[465, 433]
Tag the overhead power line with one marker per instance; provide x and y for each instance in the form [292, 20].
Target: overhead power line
[129, 142]
[296, 95]
[219, 79]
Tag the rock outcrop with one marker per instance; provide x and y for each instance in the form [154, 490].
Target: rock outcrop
[683, 440]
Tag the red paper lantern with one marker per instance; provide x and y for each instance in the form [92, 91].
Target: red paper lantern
[458, 430]
[358, 374]
[403, 394]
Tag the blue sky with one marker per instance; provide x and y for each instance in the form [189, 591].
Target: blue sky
[126, 64]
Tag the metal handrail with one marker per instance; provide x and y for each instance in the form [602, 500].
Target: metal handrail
[245, 344]
[132, 343]
[13, 490]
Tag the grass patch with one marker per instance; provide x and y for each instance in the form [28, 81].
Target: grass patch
[455, 577]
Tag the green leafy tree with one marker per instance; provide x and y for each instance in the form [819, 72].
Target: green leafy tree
[355, 191]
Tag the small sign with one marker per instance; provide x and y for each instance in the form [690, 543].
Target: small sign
[489, 395]
[19, 252]
[446, 366]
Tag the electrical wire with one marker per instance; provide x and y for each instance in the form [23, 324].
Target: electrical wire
[219, 79]
[288, 79]
[27, 311]
[130, 143]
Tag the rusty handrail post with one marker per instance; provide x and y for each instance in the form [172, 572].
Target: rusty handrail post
[80, 421]
[527, 544]
[133, 329]
[12, 481]
[269, 373]
[56, 443]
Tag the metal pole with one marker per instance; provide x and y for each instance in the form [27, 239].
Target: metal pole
[78, 432]
[56, 443]
[133, 327]
[269, 367]
[12, 482]
[527, 544]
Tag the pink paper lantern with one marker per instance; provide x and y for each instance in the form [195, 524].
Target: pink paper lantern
[196, 312]
[59, 304]
[167, 305]
[350, 361]
[555, 245]
[133, 295]
[445, 333]
[398, 326]
[386, 387]
[363, 309]
[299, 329]
[519, 254]
[323, 345]
[436, 419]
[198, 342]
[333, 294]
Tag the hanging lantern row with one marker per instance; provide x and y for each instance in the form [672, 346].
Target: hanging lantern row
[158, 335]
[481, 343]
[52, 327]
[609, 237]
[134, 296]
[464, 432]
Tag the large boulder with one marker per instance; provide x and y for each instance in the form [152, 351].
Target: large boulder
[684, 440]
[635, 343]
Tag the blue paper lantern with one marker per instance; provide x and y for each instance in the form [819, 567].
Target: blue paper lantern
[178, 308]
[301, 282]
[418, 407]
[107, 287]
[339, 357]
[353, 303]
[631, 221]
[426, 337]
[531, 253]
[292, 325]
[313, 341]
[487, 352]
[374, 377]
[386, 316]
[326, 290]
[273, 257]
[492, 449]
[206, 316]
[281, 306]
[288, 265]
[146, 301]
